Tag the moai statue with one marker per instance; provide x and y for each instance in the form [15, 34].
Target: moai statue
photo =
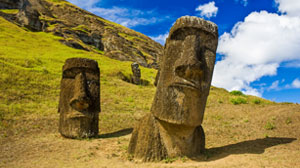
[173, 128]
[136, 78]
[79, 103]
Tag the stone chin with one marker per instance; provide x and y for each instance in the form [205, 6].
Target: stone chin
[186, 105]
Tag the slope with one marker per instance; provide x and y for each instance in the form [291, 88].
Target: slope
[256, 134]
[83, 30]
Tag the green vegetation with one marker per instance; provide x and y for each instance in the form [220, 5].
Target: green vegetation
[81, 28]
[30, 79]
[270, 126]
[256, 101]
[237, 93]
[287, 121]
[30, 74]
[238, 100]
[170, 160]
[9, 11]
[56, 1]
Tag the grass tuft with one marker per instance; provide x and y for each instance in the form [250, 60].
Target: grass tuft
[270, 126]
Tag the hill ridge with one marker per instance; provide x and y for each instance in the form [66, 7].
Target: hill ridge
[83, 30]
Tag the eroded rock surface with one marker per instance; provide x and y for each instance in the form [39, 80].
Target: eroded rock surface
[10, 4]
[173, 128]
[79, 103]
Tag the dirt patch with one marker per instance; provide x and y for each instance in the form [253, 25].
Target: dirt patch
[236, 137]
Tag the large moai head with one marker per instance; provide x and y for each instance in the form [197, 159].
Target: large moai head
[186, 71]
[79, 103]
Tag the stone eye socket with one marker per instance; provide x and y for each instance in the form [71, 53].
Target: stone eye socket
[91, 83]
[180, 70]
[71, 73]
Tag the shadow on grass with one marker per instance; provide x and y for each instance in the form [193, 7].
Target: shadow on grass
[119, 133]
[257, 146]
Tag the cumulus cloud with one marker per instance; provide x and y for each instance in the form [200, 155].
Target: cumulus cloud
[124, 16]
[160, 38]
[290, 7]
[296, 83]
[255, 48]
[207, 10]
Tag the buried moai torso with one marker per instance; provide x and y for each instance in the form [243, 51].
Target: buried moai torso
[79, 103]
[174, 126]
[136, 71]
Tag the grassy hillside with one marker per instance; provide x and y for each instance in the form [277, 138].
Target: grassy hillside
[83, 30]
[241, 130]
[31, 65]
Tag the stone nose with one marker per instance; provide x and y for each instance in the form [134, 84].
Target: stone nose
[81, 100]
[192, 72]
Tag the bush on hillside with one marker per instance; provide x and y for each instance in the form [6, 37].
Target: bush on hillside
[238, 100]
[237, 93]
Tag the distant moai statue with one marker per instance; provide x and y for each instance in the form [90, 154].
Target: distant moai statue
[173, 128]
[79, 103]
[136, 78]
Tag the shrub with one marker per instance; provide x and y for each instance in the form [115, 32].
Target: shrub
[238, 100]
[256, 101]
[237, 93]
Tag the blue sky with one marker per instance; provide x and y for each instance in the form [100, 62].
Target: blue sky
[259, 40]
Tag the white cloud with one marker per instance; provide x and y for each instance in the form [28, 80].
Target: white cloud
[124, 16]
[290, 7]
[255, 48]
[274, 86]
[208, 10]
[296, 83]
[160, 38]
[84, 4]
[127, 17]
[292, 64]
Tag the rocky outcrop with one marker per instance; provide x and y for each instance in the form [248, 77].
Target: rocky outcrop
[83, 30]
[11, 4]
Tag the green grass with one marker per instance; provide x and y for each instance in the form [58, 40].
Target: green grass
[239, 100]
[270, 126]
[237, 93]
[81, 28]
[9, 11]
[30, 74]
[256, 101]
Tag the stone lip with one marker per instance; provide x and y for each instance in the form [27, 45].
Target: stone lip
[81, 63]
[195, 22]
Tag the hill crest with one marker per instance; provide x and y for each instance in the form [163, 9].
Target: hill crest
[83, 30]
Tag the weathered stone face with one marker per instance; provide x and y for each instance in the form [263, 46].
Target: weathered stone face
[186, 72]
[79, 103]
[136, 79]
